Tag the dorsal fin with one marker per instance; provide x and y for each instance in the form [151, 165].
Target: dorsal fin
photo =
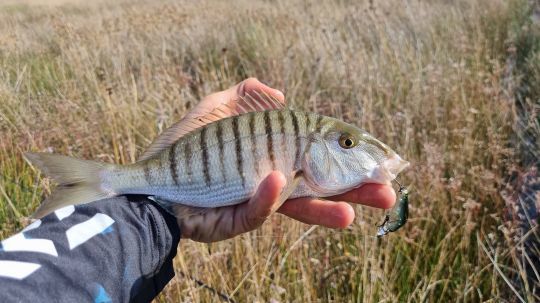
[191, 122]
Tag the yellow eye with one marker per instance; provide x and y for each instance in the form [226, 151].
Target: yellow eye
[347, 141]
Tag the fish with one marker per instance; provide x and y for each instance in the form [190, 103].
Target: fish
[219, 159]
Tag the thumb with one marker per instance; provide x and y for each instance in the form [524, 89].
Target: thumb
[265, 201]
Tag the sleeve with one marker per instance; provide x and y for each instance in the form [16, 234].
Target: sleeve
[113, 250]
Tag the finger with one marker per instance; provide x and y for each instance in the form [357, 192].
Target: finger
[371, 194]
[247, 87]
[312, 211]
[260, 206]
[254, 88]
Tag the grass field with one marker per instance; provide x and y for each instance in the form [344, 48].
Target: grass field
[453, 86]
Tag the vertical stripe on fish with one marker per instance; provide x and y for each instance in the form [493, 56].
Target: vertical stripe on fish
[204, 147]
[187, 162]
[297, 123]
[148, 172]
[173, 169]
[219, 136]
[253, 148]
[289, 140]
[269, 138]
[238, 150]
[282, 136]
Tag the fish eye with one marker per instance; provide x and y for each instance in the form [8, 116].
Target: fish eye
[347, 141]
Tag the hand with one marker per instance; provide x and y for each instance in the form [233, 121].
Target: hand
[226, 222]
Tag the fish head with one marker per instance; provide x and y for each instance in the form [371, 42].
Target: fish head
[341, 157]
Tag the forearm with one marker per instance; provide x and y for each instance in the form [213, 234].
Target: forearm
[113, 249]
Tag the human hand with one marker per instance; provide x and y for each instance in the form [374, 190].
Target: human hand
[226, 222]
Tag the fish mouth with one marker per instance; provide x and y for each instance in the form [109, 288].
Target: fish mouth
[394, 165]
[388, 169]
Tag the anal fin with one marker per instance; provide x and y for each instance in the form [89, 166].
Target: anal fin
[179, 210]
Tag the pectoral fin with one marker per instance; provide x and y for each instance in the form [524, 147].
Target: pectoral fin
[289, 189]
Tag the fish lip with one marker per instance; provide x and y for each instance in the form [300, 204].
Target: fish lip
[388, 170]
[394, 165]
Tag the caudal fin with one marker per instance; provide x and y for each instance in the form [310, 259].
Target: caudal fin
[78, 181]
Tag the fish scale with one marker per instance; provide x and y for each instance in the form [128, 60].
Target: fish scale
[218, 161]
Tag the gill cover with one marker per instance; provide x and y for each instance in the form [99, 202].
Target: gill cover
[326, 166]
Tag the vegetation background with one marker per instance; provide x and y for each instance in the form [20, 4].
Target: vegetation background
[453, 86]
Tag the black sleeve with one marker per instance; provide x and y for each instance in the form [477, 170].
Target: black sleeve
[113, 250]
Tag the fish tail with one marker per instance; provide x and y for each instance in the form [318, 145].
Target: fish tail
[79, 181]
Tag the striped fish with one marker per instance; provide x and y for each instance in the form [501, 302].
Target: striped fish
[220, 158]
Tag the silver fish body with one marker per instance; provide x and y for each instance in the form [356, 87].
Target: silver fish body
[223, 162]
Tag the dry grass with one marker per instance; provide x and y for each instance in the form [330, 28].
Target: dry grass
[437, 80]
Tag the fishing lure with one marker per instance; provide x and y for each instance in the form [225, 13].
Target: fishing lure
[398, 216]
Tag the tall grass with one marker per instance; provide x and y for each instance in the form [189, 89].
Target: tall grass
[436, 80]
